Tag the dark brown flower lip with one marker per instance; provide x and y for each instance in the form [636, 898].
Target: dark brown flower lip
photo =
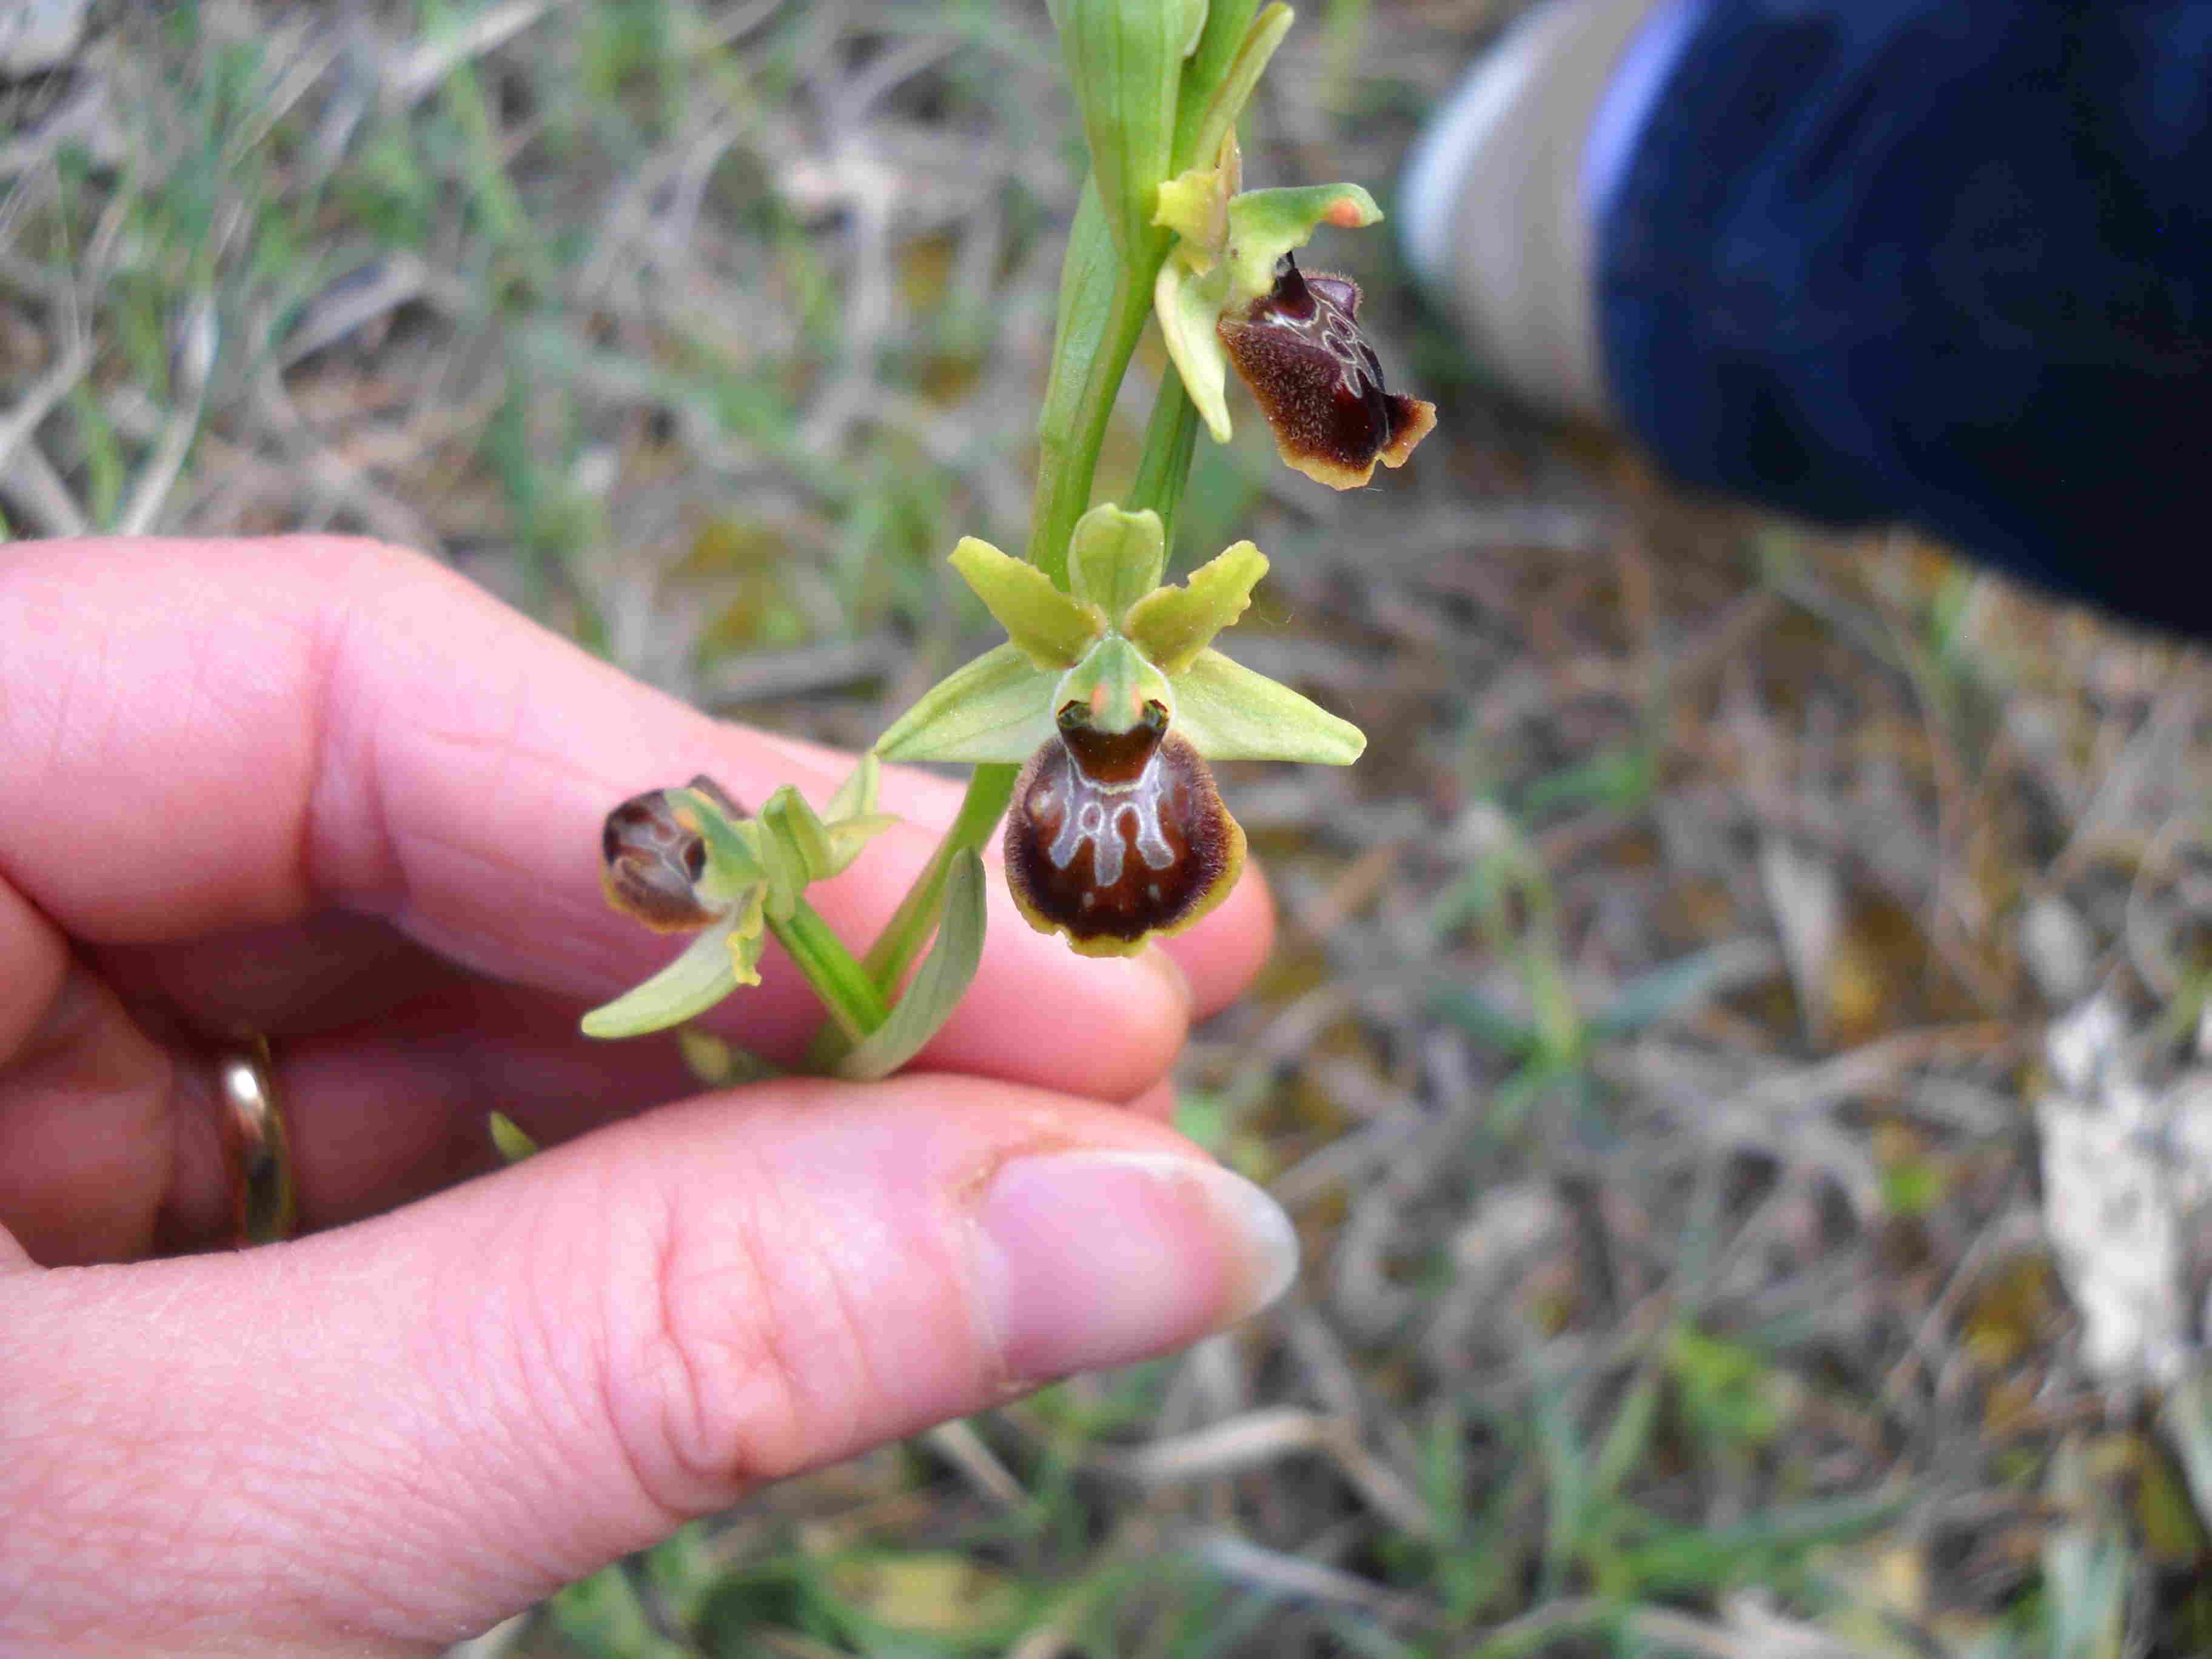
[1111, 861]
[1299, 351]
[1113, 759]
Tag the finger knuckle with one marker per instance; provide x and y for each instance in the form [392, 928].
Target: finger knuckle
[730, 1368]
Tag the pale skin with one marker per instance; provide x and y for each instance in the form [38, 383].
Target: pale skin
[328, 791]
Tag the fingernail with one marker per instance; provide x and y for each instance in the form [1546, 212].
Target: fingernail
[1087, 1259]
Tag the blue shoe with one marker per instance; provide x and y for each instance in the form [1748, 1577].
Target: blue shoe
[1499, 200]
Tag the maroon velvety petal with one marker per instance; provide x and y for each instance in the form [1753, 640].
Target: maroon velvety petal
[1110, 856]
[1299, 352]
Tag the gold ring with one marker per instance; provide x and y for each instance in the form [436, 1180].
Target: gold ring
[263, 1200]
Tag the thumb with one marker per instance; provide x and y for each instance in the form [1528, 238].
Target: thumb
[391, 1435]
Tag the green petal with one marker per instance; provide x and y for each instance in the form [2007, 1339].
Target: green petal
[748, 933]
[856, 796]
[1195, 206]
[1187, 306]
[848, 837]
[1266, 224]
[1051, 629]
[684, 989]
[1198, 131]
[1172, 625]
[732, 845]
[1114, 683]
[938, 984]
[800, 839]
[1229, 713]
[1116, 558]
[850, 822]
[996, 708]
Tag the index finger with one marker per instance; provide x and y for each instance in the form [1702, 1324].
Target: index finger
[200, 737]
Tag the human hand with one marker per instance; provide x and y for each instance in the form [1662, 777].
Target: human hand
[327, 792]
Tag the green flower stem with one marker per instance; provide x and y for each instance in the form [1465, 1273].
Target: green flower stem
[990, 789]
[1104, 306]
[844, 986]
[1165, 467]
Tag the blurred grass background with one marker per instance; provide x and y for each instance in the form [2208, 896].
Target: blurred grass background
[1650, 1054]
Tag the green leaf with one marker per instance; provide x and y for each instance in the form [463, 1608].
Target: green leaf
[1187, 304]
[687, 987]
[998, 708]
[938, 984]
[1266, 224]
[1116, 558]
[1172, 625]
[1229, 713]
[1047, 626]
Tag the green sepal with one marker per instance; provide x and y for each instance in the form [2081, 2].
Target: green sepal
[733, 861]
[938, 984]
[1230, 713]
[687, 987]
[856, 796]
[799, 836]
[1172, 625]
[1048, 627]
[998, 708]
[1187, 306]
[748, 935]
[1198, 130]
[848, 837]
[1113, 684]
[851, 818]
[1125, 61]
[1116, 558]
[1266, 224]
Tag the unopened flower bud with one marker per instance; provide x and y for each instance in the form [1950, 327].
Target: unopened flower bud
[1299, 352]
[1113, 837]
[655, 858]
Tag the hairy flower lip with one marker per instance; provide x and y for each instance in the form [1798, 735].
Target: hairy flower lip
[1231, 293]
[1110, 862]
[1300, 353]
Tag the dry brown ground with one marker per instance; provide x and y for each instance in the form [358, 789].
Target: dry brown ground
[1652, 1055]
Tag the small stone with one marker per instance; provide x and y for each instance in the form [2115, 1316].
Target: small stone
[2055, 943]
